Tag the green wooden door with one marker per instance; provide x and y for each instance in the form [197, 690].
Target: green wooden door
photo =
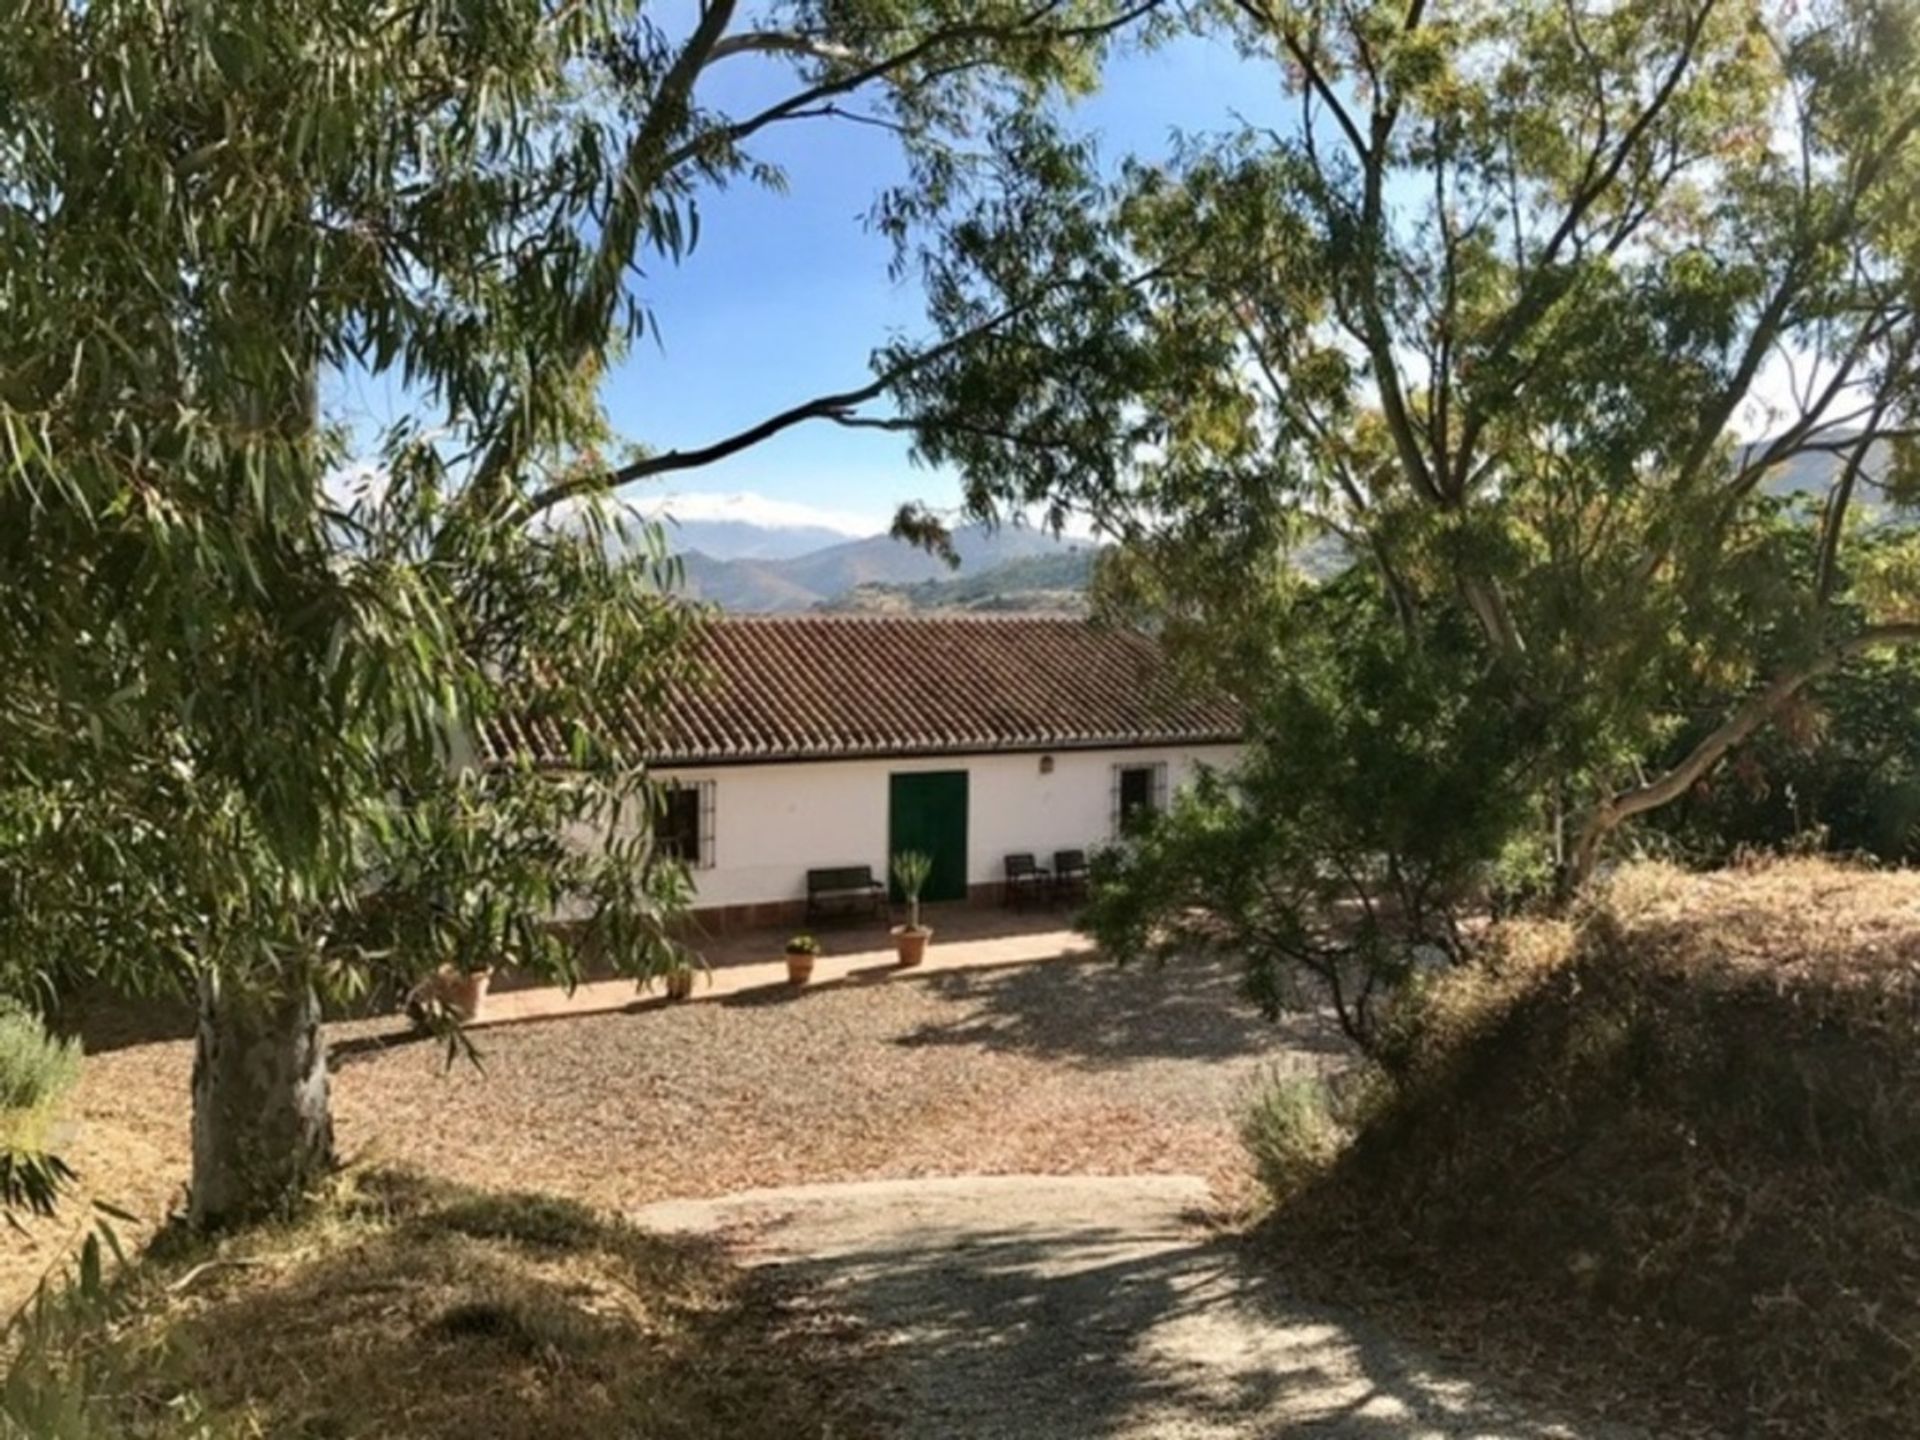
[927, 811]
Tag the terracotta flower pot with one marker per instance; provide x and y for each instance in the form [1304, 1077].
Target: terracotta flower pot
[911, 942]
[679, 984]
[799, 966]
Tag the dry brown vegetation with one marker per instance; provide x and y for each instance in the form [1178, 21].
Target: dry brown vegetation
[411, 1308]
[1667, 1157]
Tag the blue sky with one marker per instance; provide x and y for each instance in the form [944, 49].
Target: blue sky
[787, 295]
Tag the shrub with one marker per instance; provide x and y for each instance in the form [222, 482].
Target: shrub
[1291, 1133]
[1377, 799]
[1671, 1153]
[36, 1067]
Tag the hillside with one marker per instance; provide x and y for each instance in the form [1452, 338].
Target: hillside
[755, 565]
[1670, 1155]
[743, 584]
[801, 582]
[1032, 584]
[745, 540]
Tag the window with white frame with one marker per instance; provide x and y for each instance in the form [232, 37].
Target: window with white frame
[1138, 791]
[685, 829]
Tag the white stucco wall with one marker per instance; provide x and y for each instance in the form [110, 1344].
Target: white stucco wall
[773, 823]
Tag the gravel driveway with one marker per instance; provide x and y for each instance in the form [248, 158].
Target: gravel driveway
[1065, 1066]
[1090, 1309]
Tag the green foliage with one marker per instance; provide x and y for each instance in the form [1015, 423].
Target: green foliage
[1290, 1132]
[36, 1067]
[1375, 801]
[803, 945]
[1841, 772]
[1490, 316]
[254, 634]
[911, 869]
[31, 1181]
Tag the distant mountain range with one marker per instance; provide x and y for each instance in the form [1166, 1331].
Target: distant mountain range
[755, 565]
[828, 575]
[1056, 582]
[747, 540]
[1812, 472]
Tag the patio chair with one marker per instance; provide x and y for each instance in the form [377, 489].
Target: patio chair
[1070, 874]
[1026, 880]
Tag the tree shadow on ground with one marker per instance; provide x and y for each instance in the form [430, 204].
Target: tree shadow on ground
[1097, 1014]
[438, 1313]
[1052, 1338]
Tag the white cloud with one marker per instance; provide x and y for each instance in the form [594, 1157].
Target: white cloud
[747, 508]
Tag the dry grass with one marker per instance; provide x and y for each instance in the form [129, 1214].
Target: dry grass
[406, 1308]
[1061, 1067]
[1671, 1158]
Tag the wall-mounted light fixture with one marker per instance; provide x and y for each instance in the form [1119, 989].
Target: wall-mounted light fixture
[1046, 764]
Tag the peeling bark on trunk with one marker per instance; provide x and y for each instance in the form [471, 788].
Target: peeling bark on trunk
[262, 1122]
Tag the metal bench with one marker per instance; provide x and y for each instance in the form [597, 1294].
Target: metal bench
[844, 890]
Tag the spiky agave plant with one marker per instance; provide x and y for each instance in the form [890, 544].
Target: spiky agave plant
[910, 869]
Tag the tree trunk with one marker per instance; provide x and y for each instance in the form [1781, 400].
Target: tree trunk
[262, 1122]
[1615, 810]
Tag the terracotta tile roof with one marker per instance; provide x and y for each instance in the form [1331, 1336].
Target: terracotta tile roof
[817, 687]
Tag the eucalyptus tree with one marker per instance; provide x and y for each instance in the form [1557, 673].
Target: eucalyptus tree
[247, 634]
[1533, 309]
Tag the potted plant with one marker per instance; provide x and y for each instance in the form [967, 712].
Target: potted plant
[677, 974]
[457, 994]
[802, 951]
[910, 869]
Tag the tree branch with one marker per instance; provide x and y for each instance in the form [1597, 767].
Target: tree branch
[838, 407]
[1834, 521]
[865, 73]
[1752, 713]
[784, 42]
[1542, 286]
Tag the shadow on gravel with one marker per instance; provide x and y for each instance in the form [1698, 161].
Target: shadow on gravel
[1096, 1014]
[1005, 1334]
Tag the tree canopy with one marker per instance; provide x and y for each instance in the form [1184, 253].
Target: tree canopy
[1527, 308]
[249, 636]
[1526, 321]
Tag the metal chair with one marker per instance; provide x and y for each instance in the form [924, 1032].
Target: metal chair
[1026, 879]
[1070, 874]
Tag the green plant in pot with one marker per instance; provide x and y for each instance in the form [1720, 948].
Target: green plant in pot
[910, 871]
[676, 973]
[450, 993]
[802, 951]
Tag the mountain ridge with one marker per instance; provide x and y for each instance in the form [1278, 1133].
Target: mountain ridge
[778, 584]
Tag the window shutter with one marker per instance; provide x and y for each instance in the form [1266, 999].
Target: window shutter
[707, 831]
[1113, 805]
[1160, 788]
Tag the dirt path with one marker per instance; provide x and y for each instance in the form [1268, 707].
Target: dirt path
[1069, 1308]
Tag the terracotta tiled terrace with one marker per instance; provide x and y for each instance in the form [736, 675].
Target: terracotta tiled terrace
[966, 936]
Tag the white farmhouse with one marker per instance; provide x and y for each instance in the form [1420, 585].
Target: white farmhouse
[825, 741]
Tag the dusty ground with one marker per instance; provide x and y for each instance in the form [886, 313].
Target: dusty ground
[1055, 1309]
[1068, 1066]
